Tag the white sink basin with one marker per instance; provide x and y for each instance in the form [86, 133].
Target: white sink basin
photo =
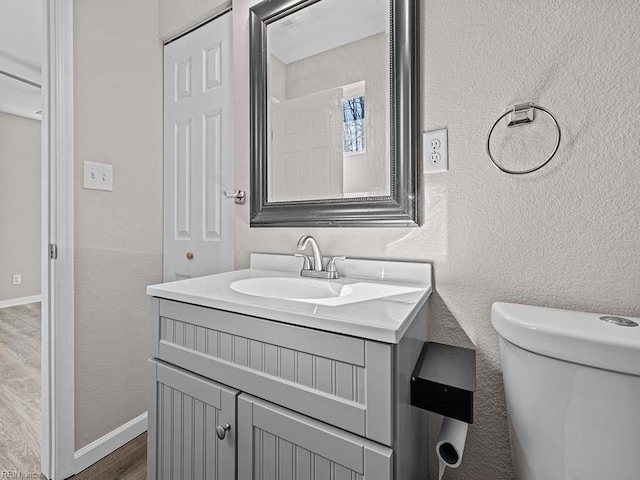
[373, 299]
[320, 292]
[288, 288]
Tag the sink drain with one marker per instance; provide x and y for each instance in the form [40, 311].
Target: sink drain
[620, 321]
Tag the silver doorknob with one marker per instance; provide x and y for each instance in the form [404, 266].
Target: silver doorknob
[239, 196]
[222, 431]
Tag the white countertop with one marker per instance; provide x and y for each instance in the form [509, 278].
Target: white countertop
[383, 319]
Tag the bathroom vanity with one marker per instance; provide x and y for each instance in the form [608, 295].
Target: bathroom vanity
[308, 379]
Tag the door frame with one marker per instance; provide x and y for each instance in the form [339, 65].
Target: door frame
[57, 435]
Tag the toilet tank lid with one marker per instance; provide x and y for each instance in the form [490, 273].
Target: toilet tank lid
[596, 340]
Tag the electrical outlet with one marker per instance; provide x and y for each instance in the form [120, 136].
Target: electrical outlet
[98, 176]
[17, 279]
[435, 153]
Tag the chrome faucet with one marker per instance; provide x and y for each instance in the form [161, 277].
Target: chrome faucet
[317, 254]
[317, 269]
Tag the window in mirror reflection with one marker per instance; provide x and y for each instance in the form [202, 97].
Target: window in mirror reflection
[353, 118]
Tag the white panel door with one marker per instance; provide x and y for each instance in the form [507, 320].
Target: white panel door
[307, 158]
[198, 165]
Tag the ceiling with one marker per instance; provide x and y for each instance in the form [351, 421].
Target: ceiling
[326, 25]
[21, 39]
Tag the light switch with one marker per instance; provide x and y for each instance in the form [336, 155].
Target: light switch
[98, 176]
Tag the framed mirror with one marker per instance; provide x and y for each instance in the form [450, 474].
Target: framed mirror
[334, 113]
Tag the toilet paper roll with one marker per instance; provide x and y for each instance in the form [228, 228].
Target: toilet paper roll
[450, 446]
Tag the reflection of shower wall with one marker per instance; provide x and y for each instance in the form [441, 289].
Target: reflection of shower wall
[277, 92]
[277, 78]
[367, 60]
[306, 161]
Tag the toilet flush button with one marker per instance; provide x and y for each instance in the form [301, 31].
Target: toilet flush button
[620, 321]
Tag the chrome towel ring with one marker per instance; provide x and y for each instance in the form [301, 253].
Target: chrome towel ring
[521, 115]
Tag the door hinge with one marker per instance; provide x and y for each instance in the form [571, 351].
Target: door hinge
[53, 251]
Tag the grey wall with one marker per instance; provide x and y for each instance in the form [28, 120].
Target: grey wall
[564, 237]
[19, 206]
[176, 16]
[118, 235]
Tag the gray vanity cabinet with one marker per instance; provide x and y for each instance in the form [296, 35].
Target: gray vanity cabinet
[310, 403]
[275, 443]
[337, 379]
[185, 411]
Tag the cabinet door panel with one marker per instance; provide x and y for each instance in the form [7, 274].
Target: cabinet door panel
[185, 411]
[275, 444]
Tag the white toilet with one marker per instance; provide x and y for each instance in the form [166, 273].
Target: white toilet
[572, 385]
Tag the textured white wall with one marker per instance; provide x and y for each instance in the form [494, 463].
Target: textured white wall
[564, 237]
[19, 206]
[118, 251]
[176, 16]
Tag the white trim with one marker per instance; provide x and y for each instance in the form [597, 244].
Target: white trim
[57, 444]
[45, 401]
[15, 302]
[100, 448]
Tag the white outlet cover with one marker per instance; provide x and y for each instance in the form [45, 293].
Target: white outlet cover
[17, 279]
[435, 151]
[98, 176]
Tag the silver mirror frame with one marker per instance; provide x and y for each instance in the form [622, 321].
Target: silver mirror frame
[402, 207]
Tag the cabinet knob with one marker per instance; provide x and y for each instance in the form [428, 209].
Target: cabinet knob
[222, 431]
[189, 255]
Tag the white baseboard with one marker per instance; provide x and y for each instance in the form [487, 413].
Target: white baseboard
[97, 450]
[20, 301]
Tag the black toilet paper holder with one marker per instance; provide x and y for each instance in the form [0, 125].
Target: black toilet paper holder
[444, 381]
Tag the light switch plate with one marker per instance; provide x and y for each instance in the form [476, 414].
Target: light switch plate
[98, 176]
[435, 151]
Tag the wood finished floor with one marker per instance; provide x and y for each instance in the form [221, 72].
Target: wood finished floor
[20, 407]
[127, 463]
[20, 389]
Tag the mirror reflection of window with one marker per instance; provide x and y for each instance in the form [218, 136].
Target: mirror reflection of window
[353, 118]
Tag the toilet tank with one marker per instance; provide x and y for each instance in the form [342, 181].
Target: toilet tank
[572, 387]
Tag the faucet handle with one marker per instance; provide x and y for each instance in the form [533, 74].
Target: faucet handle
[307, 261]
[331, 264]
